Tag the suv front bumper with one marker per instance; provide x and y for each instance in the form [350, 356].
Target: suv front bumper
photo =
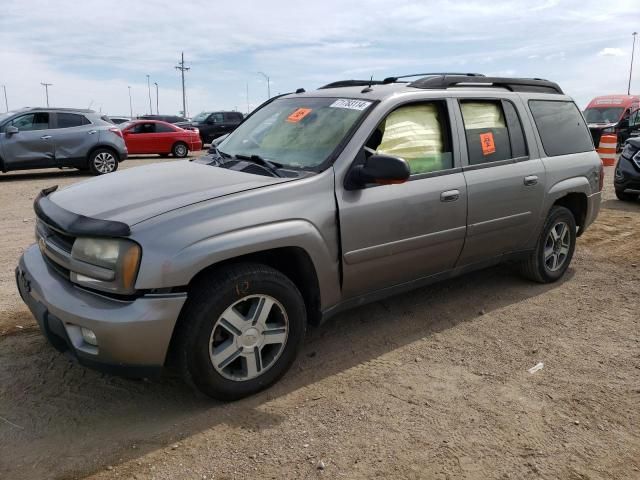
[133, 336]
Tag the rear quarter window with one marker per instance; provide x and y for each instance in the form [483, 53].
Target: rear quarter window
[561, 127]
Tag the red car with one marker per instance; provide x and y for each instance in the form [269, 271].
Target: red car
[154, 136]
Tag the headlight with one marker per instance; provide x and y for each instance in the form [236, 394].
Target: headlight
[120, 256]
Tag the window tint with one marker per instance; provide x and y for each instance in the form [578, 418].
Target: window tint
[217, 118]
[418, 133]
[31, 121]
[144, 128]
[486, 131]
[68, 120]
[561, 127]
[233, 117]
[160, 128]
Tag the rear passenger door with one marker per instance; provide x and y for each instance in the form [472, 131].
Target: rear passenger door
[73, 137]
[505, 178]
[391, 234]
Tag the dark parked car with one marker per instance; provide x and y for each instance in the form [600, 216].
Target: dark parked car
[627, 176]
[215, 124]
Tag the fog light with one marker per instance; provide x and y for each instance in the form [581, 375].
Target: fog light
[89, 337]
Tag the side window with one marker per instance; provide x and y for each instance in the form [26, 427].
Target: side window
[561, 127]
[31, 121]
[160, 128]
[144, 128]
[486, 131]
[233, 117]
[217, 118]
[634, 120]
[69, 120]
[418, 133]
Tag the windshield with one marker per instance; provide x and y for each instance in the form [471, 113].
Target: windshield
[201, 116]
[603, 114]
[296, 132]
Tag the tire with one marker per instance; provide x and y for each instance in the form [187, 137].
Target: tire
[541, 266]
[212, 353]
[626, 197]
[102, 161]
[180, 150]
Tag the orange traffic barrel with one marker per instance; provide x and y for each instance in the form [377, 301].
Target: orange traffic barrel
[607, 150]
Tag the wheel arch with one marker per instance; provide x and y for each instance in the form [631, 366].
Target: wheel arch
[573, 194]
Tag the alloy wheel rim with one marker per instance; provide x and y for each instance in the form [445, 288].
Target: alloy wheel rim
[557, 246]
[249, 337]
[104, 162]
[181, 150]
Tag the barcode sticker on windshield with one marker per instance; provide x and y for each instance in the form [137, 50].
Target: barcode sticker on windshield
[350, 104]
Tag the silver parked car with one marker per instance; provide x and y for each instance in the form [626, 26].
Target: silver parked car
[59, 137]
[318, 202]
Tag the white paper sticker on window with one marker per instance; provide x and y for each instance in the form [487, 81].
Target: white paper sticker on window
[350, 104]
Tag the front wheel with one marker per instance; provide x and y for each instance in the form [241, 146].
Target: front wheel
[102, 161]
[555, 247]
[626, 197]
[240, 330]
[180, 150]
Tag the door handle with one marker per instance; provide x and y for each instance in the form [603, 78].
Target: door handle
[530, 180]
[92, 132]
[45, 137]
[450, 196]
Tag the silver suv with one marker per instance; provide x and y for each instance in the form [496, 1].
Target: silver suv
[59, 137]
[318, 202]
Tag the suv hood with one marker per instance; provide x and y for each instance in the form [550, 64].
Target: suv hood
[137, 194]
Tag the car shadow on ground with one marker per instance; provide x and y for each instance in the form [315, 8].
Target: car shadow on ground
[43, 174]
[614, 204]
[59, 419]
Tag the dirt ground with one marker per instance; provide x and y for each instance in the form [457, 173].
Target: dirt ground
[429, 384]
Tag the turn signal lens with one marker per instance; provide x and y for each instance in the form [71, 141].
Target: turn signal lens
[130, 263]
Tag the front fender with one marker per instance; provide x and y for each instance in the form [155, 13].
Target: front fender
[194, 258]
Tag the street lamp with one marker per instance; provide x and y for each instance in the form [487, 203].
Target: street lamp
[268, 84]
[46, 90]
[130, 103]
[157, 101]
[149, 90]
[633, 51]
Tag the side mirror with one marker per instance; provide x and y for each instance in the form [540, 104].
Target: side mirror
[380, 169]
[11, 130]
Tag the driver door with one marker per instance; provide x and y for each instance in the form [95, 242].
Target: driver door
[393, 234]
[32, 146]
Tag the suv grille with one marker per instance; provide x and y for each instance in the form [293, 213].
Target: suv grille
[55, 247]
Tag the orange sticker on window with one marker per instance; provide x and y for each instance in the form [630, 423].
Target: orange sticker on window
[298, 115]
[488, 146]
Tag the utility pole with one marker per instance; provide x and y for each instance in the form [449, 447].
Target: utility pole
[268, 84]
[633, 51]
[183, 69]
[46, 90]
[157, 101]
[130, 103]
[149, 90]
[6, 102]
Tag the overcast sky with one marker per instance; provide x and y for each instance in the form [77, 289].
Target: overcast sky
[92, 50]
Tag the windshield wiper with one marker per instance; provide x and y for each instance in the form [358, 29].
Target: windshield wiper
[271, 166]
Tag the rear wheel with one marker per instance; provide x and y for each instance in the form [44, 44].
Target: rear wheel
[180, 150]
[555, 247]
[102, 161]
[240, 330]
[626, 197]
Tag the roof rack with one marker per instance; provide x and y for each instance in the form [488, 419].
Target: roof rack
[395, 79]
[440, 81]
[351, 83]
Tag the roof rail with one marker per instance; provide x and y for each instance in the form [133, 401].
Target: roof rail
[351, 83]
[395, 79]
[441, 81]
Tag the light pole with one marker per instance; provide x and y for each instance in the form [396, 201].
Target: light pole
[46, 90]
[130, 103]
[6, 102]
[149, 90]
[633, 51]
[268, 84]
[157, 101]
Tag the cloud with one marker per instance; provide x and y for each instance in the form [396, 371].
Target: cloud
[611, 52]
